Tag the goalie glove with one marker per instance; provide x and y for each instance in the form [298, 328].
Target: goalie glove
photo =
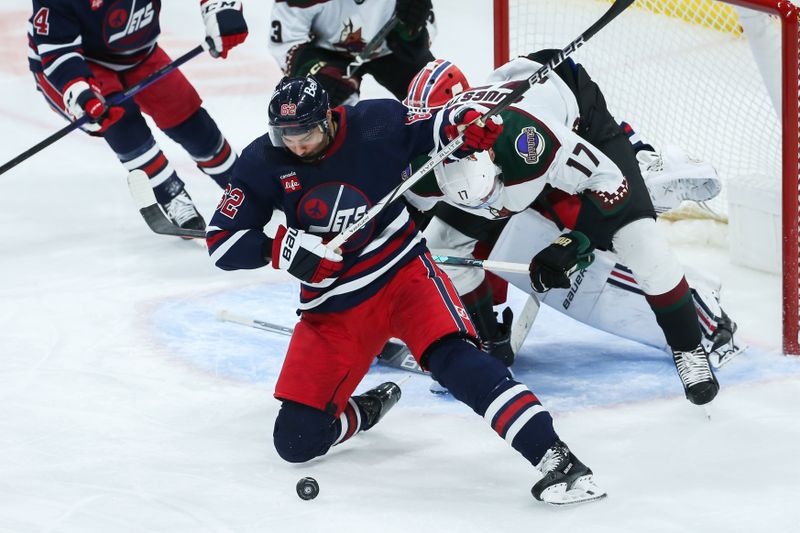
[304, 255]
[82, 97]
[551, 267]
[225, 25]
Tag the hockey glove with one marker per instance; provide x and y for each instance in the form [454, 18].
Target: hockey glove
[476, 138]
[413, 13]
[551, 267]
[83, 97]
[327, 67]
[225, 25]
[304, 255]
[414, 49]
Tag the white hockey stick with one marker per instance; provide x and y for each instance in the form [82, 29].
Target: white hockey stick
[486, 264]
[537, 77]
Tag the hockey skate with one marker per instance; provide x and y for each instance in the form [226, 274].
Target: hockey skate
[181, 211]
[699, 382]
[376, 402]
[565, 479]
[672, 177]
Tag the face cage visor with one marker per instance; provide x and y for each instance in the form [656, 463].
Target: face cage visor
[277, 132]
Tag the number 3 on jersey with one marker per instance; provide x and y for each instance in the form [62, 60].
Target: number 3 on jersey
[231, 200]
[40, 21]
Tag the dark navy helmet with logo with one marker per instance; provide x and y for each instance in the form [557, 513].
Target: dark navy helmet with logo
[297, 106]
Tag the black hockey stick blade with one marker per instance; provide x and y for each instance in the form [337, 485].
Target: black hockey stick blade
[157, 221]
[394, 354]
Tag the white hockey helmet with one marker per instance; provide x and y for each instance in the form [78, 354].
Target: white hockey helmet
[471, 181]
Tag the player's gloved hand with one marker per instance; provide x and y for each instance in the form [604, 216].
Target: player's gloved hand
[83, 97]
[551, 267]
[304, 255]
[225, 25]
[476, 138]
[338, 87]
[413, 13]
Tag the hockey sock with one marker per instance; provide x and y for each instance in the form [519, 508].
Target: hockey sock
[163, 178]
[349, 422]
[484, 384]
[636, 140]
[677, 316]
[200, 136]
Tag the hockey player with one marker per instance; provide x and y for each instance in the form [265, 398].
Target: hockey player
[605, 296]
[562, 149]
[81, 52]
[324, 168]
[322, 38]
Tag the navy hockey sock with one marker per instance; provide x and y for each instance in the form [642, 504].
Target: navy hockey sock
[200, 136]
[484, 383]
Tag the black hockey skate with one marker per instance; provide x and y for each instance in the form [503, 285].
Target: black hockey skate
[181, 211]
[375, 403]
[699, 381]
[566, 480]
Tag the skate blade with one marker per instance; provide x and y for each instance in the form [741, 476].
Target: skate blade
[438, 389]
[583, 491]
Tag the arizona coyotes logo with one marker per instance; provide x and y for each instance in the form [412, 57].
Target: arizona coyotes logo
[129, 27]
[350, 40]
[96, 4]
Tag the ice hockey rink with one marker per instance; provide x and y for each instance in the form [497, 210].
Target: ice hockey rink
[126, 407]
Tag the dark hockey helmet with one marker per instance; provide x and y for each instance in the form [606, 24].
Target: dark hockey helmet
[435, 85]
[297, 106]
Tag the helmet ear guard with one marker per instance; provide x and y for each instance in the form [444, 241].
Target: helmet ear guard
[471, 181]
[434, 85]
[297, 106]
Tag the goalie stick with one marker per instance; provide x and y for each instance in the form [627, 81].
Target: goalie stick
[537, 77]
[394, 354]
[145, 198]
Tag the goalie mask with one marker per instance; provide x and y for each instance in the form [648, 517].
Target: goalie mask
[433, 86]
[471, 181]
[297, 107]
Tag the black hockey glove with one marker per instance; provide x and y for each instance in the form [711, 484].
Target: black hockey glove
[327, 67]
[551, 267]
[499, 346]
[409, 49]
[413, 13]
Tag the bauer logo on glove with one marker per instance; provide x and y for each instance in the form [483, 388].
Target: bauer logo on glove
[551, 268]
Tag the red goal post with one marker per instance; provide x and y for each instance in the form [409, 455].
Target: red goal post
[519, 29]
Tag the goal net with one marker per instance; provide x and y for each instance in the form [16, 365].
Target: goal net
[712, 77]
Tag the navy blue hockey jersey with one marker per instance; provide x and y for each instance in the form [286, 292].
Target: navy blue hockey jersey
[366, 160]
[63, 34]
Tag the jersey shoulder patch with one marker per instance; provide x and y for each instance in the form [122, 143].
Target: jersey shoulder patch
[527, 147]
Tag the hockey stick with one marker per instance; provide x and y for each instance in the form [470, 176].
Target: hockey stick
[486, 264]
[157, 221]
[114, 100]
[371, 46]
[537, 77]
[394, 354]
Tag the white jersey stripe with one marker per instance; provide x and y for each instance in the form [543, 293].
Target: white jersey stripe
[47, 48]
[60, 61]
[227, 244]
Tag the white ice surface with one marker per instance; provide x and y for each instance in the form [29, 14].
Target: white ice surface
[124, 407]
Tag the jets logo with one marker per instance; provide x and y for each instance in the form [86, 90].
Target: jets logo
[130, 23]
[328, 209]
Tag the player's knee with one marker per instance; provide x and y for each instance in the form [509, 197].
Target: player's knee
[468, 373]
[302, 433]
[642, 248]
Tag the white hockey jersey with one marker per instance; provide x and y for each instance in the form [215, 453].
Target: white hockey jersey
[344, 26]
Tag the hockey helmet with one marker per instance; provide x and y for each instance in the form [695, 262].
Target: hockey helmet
[297, 106]
[470, 181]
[434, 86]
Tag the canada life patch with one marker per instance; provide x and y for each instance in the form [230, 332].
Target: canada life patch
[290, 182]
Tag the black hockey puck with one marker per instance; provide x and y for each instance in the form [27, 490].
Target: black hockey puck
[307, 488]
